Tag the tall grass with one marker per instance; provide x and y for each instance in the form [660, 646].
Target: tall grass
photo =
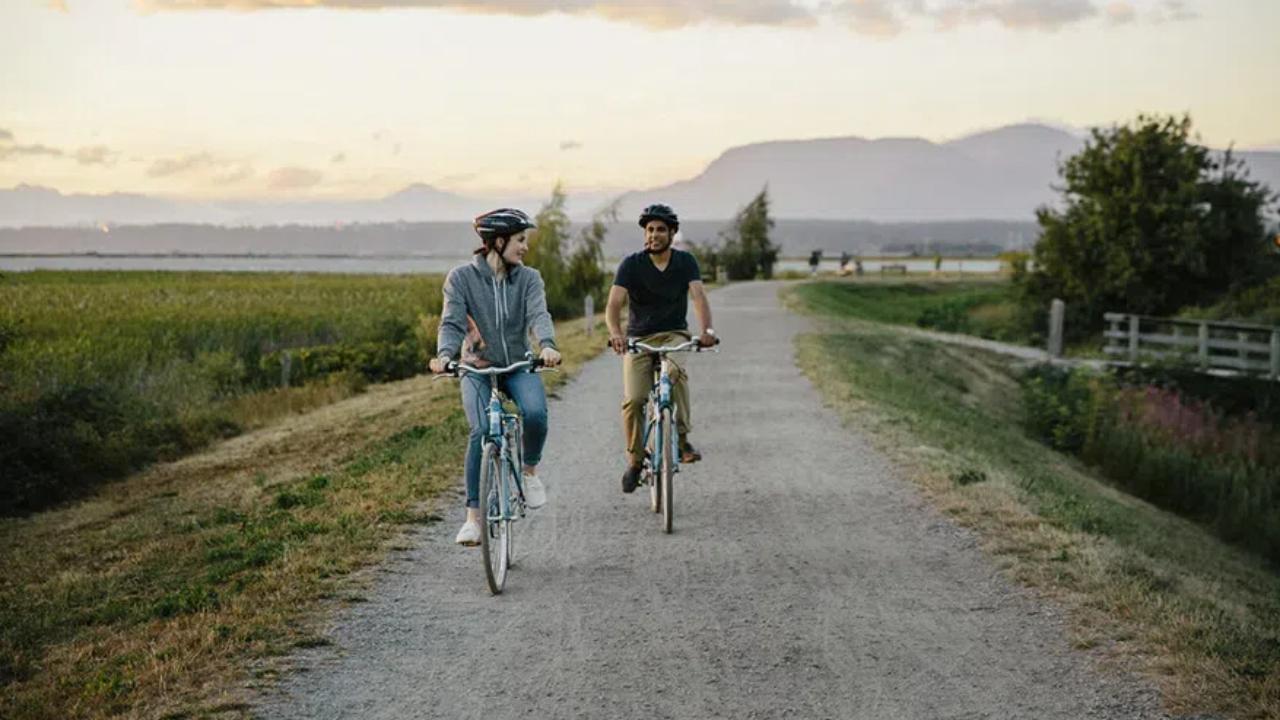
[985, 309]
[1177, 451]
[104, 372]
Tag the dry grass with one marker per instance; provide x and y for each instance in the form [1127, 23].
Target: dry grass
[1146, 590]
[155, 596]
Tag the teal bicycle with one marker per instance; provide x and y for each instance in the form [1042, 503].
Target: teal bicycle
[661, 451]
[501, 482]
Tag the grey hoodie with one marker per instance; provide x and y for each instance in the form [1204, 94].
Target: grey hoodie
[504, 310]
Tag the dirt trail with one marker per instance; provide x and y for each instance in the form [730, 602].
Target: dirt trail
[805, 579]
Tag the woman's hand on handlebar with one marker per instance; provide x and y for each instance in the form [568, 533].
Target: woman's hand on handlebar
[438, 365]
[550, 357]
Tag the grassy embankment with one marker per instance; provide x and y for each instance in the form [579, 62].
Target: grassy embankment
[163, 593]
[1148, 589]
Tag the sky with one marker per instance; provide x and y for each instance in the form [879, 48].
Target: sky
[359, 98]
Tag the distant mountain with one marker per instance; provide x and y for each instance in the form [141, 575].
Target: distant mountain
[1001, 174]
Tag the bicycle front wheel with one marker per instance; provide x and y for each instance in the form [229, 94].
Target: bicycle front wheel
[667, 439]
[495, 535]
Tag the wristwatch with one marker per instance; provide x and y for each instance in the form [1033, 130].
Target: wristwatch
[709, 331]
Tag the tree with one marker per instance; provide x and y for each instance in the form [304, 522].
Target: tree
[546, 253]
[587, 275]
[747, 250]
[1151, 222]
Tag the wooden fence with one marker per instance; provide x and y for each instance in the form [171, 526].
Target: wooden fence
[1238, 347]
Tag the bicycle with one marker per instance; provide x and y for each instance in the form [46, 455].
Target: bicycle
[501, 482]
[661, 451]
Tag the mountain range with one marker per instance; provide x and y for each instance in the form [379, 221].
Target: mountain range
[1002, 174]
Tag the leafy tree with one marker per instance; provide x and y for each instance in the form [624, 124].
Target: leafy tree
[546, 253]
[747, 251]
[587, 274]
[1152, 222]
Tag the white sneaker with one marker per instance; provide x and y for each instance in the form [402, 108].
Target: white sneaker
[469, 534]
[535, 494]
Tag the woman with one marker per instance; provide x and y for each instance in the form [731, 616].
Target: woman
[490, 306]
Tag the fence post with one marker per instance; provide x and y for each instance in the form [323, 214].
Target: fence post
[1202, 354]
[1275, 354]
[588, 310]
[1057, 309]
[1133, 339]
[286, 366]
[1243, 337]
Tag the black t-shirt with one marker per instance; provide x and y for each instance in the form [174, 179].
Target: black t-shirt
[659, 299]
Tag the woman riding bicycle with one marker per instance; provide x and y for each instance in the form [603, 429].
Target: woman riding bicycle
[490, 306]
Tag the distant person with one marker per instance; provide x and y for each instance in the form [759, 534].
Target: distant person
[657, 283]
[491, 305]
[857, 267]
[815, 258]
[845, 268]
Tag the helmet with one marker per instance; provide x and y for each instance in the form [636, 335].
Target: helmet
[660, 212]
[503, 222]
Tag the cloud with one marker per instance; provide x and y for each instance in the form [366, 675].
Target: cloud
[657, 14]
[59, 5]
[293, 178]
[165, 167]
[95, 155]
[239, 173]
[878, 18]
[338, 159]
[570, 144]
[1046, 15]
[10, 151]
[1121, 13]
[1174, 11]
[5, 134]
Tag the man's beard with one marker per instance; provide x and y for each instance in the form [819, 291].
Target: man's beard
[656, 251]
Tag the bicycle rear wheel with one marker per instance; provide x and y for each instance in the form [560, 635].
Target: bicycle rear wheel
[495, 535]
[667, 441]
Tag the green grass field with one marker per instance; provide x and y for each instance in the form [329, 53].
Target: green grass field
[104, 372]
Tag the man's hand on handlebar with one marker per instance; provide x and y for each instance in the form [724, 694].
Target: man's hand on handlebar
[708, 339]
[618, 343]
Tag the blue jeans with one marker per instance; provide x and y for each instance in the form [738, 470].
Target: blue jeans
[527, 392]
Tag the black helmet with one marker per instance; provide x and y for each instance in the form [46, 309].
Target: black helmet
[503, 222]
[661, 212]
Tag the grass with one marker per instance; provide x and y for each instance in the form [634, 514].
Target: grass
[1148, 590]
[983, 308]
[157, 595]
[102, 373]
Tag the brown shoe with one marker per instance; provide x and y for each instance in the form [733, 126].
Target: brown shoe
[688, 454]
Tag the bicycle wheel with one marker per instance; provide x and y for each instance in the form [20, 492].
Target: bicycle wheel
[495, 536]
[653, 441]
[668, 441]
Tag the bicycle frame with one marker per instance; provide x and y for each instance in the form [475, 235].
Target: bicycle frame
[505, 433]
[660, 399]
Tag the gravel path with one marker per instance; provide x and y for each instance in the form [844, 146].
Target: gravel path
[804, 580]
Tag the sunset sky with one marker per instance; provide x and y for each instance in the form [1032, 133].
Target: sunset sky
[358, 98]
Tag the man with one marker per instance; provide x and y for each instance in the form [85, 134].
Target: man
[657, 283]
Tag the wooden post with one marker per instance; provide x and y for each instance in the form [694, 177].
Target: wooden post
[1275, 354]
[1202, 354]
[286, 366]
[1243, 337]
[1057, 310]
[1133, 339]
[588, 311]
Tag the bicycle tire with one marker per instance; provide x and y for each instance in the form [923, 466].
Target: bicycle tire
[668, 441]
[495, 534]
[654, 442]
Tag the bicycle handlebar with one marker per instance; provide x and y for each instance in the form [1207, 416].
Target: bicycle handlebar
[458, 369]
[635, 346]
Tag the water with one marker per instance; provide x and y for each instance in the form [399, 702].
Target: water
[393, 264]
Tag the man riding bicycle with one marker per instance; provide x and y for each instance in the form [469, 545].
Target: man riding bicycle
[490, 305]
[657, 283]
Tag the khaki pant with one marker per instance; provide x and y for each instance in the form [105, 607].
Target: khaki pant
[637, 379]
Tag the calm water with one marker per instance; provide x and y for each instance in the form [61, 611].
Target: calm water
[385, 264]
